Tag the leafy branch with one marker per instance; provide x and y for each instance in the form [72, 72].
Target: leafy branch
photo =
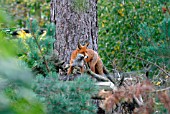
[32, 32]
[152, 63]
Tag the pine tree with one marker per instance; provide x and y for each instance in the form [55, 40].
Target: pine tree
[157, 51]
[37, 48]
[73, 97]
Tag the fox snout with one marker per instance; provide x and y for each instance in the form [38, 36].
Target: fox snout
[80, 56]
[85, 56]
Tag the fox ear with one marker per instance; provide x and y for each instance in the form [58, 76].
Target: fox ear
[79, 45]
[87, 44]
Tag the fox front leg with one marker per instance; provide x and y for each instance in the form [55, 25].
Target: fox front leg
[70, 70]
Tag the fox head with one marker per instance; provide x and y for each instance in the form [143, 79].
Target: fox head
[83, 49]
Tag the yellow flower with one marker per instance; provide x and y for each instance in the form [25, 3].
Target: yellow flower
[121, 5]
[113, 52]
[102, 24]
[162, 42]
[158, 83]
[140, 38]
[22, 34]
[118, 42]
[116, 48]
[134, 17]
[43, 35]
[104, 21]
[42, 49]
[121, 12]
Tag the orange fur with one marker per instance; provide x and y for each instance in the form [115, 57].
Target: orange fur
[93, 59]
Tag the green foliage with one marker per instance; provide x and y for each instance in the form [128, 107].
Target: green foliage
[120, 25]
[5, 50]
[5, 20]
[22, 10]
[23, 101]
[16, 95]
[73, 97]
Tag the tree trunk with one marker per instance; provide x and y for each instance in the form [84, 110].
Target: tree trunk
[74, 25]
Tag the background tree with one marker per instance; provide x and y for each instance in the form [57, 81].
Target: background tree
[75, 20]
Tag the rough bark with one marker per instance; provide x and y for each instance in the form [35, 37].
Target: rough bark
[73, 26]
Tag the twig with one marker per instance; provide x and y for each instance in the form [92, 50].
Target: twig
[97, 98]
[46, 64]
[140, 103]
[140, 98]
[121, 81]
[117, 73]
[162, 89]
[106, 72]
[108, 84]
[150, 63]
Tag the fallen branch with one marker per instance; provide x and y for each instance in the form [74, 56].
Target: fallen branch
[98, 77]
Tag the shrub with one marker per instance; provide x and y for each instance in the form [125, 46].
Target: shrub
[73, 97]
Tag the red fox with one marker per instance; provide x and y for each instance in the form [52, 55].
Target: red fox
[90, 56]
